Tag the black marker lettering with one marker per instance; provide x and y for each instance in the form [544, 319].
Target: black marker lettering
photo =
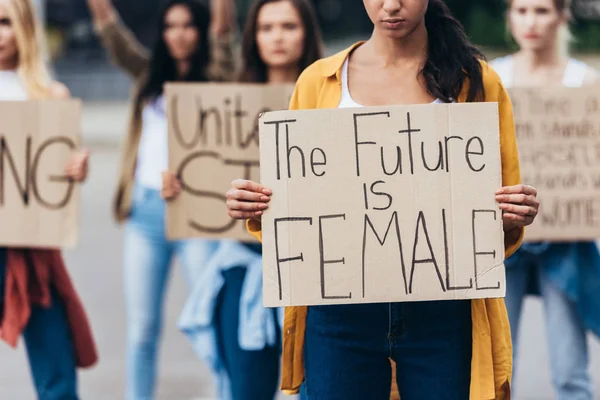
[53, 178]
[22, 185]
[477, 152]
[277, 155]
[393, 220]
[282, 260]
[314, 163]
[398, 168]
[422, 222]
[440, 163]
[356, 142]
[203, 193]
[389, 198]
[446, 256]
[446, 140]
[324, 261]
[481, 253]
[410, 131]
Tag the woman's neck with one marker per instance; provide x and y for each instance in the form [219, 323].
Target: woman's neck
[543, 58]
[394, 50]
[183, 69]
[282, 74]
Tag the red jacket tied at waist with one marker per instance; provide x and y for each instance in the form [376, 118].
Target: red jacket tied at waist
[30, 275]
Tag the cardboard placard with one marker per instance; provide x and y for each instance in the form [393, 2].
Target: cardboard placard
[38, 203]
[382, 204]
[558, 134]
[213, 139]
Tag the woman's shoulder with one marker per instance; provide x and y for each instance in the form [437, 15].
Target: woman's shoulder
[59, 91]
[492, 82]
[326, 67]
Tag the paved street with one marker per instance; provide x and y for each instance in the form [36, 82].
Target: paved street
[96, 268]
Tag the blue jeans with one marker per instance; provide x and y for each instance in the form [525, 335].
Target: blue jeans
[147, 259]
[565, 332]
[49, 346]
[254, 375]
[347, 350]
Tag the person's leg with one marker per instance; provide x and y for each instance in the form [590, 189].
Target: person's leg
[194, 254]
[567, 344]
[432, 347]
[346, 353]
[253, 375]
[50, 351]
[146, 259]
[517, 273]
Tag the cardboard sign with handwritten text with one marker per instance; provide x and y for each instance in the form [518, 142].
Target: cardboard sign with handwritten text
[38, 203]
[558, 134]
[382, 204]
[213, 139]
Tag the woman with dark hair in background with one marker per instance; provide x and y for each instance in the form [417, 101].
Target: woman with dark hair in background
[194, 45]
[418, 54]
[566, 275]
[225, 319]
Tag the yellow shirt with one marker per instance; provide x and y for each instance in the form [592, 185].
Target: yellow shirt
[319, 86]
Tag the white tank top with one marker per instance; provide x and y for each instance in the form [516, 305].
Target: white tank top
[11, 87]
[153, 153]
[574, 73]
[347, 101]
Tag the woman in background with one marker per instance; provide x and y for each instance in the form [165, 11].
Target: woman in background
[194, 45]
[566, 275]
[224, 317]
[37, 297]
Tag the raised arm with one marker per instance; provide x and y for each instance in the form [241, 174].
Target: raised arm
[121, 44]
[223, 57]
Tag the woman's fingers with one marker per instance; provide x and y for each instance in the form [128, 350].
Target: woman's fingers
[516, 189]
[236, 214]
[518, 209]
[246, 195]
[246, 206]
[244, 184]
[518, 220]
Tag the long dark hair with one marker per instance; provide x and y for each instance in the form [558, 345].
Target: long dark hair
[255, 69]
[163, 68]
[452, 58]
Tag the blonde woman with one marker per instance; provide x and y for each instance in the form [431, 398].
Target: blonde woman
[37, 298]
[566, 275]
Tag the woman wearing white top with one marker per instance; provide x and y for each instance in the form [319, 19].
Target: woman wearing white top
[42, 313]
[540, 29]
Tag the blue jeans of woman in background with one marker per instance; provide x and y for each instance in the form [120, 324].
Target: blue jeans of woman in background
[49, 346]
[147, 259]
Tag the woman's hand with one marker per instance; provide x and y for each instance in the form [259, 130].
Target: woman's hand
[519, 205]
[247, 199]
[170, 186]
[77, 167]
[102, 10]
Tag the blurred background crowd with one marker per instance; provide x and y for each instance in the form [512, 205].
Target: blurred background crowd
[79, 61]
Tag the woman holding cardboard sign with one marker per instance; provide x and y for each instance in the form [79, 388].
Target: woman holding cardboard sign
[443, 350]
[194, 45]
[240, 338]
[566, 275]
[37, 297]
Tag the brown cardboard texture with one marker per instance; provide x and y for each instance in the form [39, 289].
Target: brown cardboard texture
[38, 203]
[558, 133]
[382, 204]
[213, 139]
